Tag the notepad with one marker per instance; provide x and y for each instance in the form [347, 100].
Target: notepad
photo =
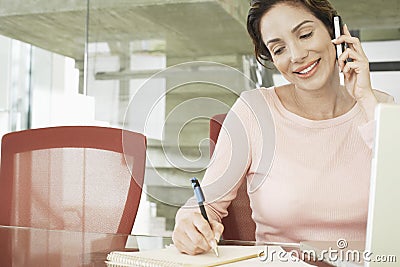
[171, 257]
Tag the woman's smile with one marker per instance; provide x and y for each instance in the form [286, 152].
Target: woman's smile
[307, 70]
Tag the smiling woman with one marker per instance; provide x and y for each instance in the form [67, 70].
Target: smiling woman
[301, 49]
[318, 184]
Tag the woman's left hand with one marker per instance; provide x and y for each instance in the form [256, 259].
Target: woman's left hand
[356, 72]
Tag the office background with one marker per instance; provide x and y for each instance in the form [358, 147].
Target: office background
[81, 62]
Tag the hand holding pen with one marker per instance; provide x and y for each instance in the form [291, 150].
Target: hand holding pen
[200, 200]
[192, 233]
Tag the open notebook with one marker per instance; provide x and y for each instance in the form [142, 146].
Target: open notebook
[170, 256]
[228, 256]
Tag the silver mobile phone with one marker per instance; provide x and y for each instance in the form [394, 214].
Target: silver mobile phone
[338, 31]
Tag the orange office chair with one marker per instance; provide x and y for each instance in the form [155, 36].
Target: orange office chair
[77, 178]
[238, 224]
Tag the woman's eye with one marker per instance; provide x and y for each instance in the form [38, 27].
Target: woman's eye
[278, 51]
[307, 35]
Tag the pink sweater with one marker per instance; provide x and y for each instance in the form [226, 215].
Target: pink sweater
[317, 185]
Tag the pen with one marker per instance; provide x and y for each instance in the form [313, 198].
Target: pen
[200, 200]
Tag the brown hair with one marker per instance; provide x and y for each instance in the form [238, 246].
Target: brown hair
[321, 9]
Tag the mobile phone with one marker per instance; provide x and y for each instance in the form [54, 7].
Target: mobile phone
[338, 31]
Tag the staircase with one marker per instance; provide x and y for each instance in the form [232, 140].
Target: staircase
[184, 151]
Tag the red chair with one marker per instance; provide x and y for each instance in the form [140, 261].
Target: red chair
[78, 178]
[238, 224]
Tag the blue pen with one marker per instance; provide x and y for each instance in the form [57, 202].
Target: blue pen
[200, 200]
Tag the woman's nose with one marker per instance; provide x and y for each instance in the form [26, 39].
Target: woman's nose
[298, 53]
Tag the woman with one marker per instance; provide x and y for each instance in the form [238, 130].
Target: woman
[317, 187]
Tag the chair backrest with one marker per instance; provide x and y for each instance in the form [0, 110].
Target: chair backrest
[238, 224]
[78, 178]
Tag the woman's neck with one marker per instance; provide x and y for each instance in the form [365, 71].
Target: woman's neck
[330, 101]
[319, 104]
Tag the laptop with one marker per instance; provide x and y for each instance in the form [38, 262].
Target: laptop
[382, 246]
[383, 226]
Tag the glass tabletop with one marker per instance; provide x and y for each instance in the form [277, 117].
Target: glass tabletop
[25, 246]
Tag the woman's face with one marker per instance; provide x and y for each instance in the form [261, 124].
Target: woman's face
[300, 46]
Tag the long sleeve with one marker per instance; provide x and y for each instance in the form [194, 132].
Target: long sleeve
[229, 163]
[367, 131]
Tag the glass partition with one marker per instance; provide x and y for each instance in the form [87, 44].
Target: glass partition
[42, 54]
[164, 68]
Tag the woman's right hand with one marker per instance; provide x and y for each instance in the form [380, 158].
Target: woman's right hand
[194, 235]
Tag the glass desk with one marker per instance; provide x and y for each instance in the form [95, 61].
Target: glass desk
[25, 246]
[31, 247]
